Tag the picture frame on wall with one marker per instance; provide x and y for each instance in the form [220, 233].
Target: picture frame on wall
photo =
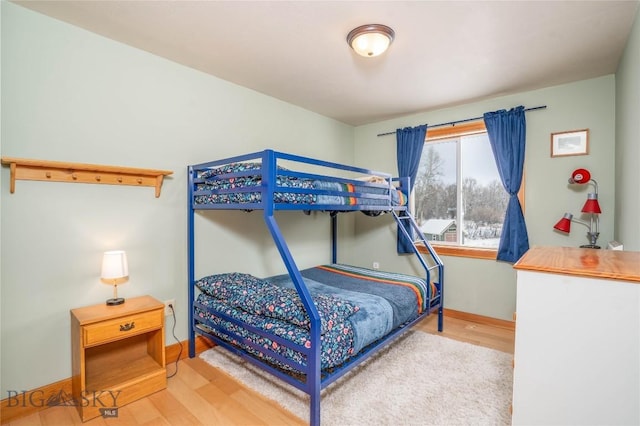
[572, 142]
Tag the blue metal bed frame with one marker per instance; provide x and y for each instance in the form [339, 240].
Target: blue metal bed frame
[316, 379]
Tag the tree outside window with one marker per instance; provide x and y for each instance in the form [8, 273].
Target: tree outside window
[459, 199]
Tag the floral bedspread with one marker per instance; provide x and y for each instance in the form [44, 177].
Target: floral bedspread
[236, 177]
[357, 306]
[280, 312]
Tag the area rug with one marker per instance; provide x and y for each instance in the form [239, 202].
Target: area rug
[421, 379]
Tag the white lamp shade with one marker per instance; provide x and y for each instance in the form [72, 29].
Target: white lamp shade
[114, 266]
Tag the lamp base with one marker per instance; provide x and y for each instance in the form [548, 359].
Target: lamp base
[116, 301]
[592, 246]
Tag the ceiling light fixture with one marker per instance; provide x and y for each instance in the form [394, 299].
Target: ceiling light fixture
[370, 40]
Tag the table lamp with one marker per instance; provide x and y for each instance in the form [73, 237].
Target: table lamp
[115, 270]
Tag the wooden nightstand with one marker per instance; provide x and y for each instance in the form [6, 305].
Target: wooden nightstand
[117, 354]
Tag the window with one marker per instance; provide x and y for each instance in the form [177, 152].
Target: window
[460, 201]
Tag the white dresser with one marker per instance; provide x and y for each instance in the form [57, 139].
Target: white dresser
[577, 346]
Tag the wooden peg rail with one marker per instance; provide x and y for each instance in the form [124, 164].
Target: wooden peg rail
[59, 171]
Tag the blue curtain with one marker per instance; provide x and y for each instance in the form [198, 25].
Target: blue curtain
[409, 144]
[507, 131]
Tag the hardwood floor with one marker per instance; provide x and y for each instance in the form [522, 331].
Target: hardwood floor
[200, 394]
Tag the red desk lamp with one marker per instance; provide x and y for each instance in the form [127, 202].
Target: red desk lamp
[591, 207]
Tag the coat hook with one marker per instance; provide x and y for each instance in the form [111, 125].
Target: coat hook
[98, 178]
[48, 174]
[74, 176]
[119, 179]
[139, 180]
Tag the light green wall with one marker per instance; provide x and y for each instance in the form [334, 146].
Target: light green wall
[70, 95]
[487, 287]
[1, 184]
[627, 229]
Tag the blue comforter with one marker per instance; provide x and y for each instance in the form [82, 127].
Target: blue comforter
[385, 300]
[357, 306]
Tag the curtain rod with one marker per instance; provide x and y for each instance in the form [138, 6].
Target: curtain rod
[453, 123]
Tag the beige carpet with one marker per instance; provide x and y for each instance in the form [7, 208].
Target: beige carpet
[421, 379]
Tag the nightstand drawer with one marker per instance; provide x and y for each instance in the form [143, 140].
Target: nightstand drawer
[121, 327]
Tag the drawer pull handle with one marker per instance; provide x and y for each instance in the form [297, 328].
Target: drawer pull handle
[128, 326]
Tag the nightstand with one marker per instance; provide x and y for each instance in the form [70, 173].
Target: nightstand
[117, 354]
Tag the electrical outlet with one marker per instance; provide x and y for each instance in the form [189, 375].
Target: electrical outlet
[376, 265]
[167, 309]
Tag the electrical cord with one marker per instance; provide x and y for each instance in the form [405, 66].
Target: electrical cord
[173, 332]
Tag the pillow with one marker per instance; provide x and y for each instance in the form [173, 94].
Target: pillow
[373, 179]
[231, 287]
[285, 304]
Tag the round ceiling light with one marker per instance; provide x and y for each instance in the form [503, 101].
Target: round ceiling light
[370, 40]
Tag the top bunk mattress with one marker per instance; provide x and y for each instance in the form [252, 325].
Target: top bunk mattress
[251, 184]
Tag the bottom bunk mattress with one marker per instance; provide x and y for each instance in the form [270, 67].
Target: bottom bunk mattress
[357, 307]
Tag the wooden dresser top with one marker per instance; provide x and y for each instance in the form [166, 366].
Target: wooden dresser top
[101, 312]
[609, 264]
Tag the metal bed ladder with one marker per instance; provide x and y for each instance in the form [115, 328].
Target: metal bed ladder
[418, 239]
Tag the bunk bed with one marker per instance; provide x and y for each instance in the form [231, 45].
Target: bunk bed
[307, 327]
